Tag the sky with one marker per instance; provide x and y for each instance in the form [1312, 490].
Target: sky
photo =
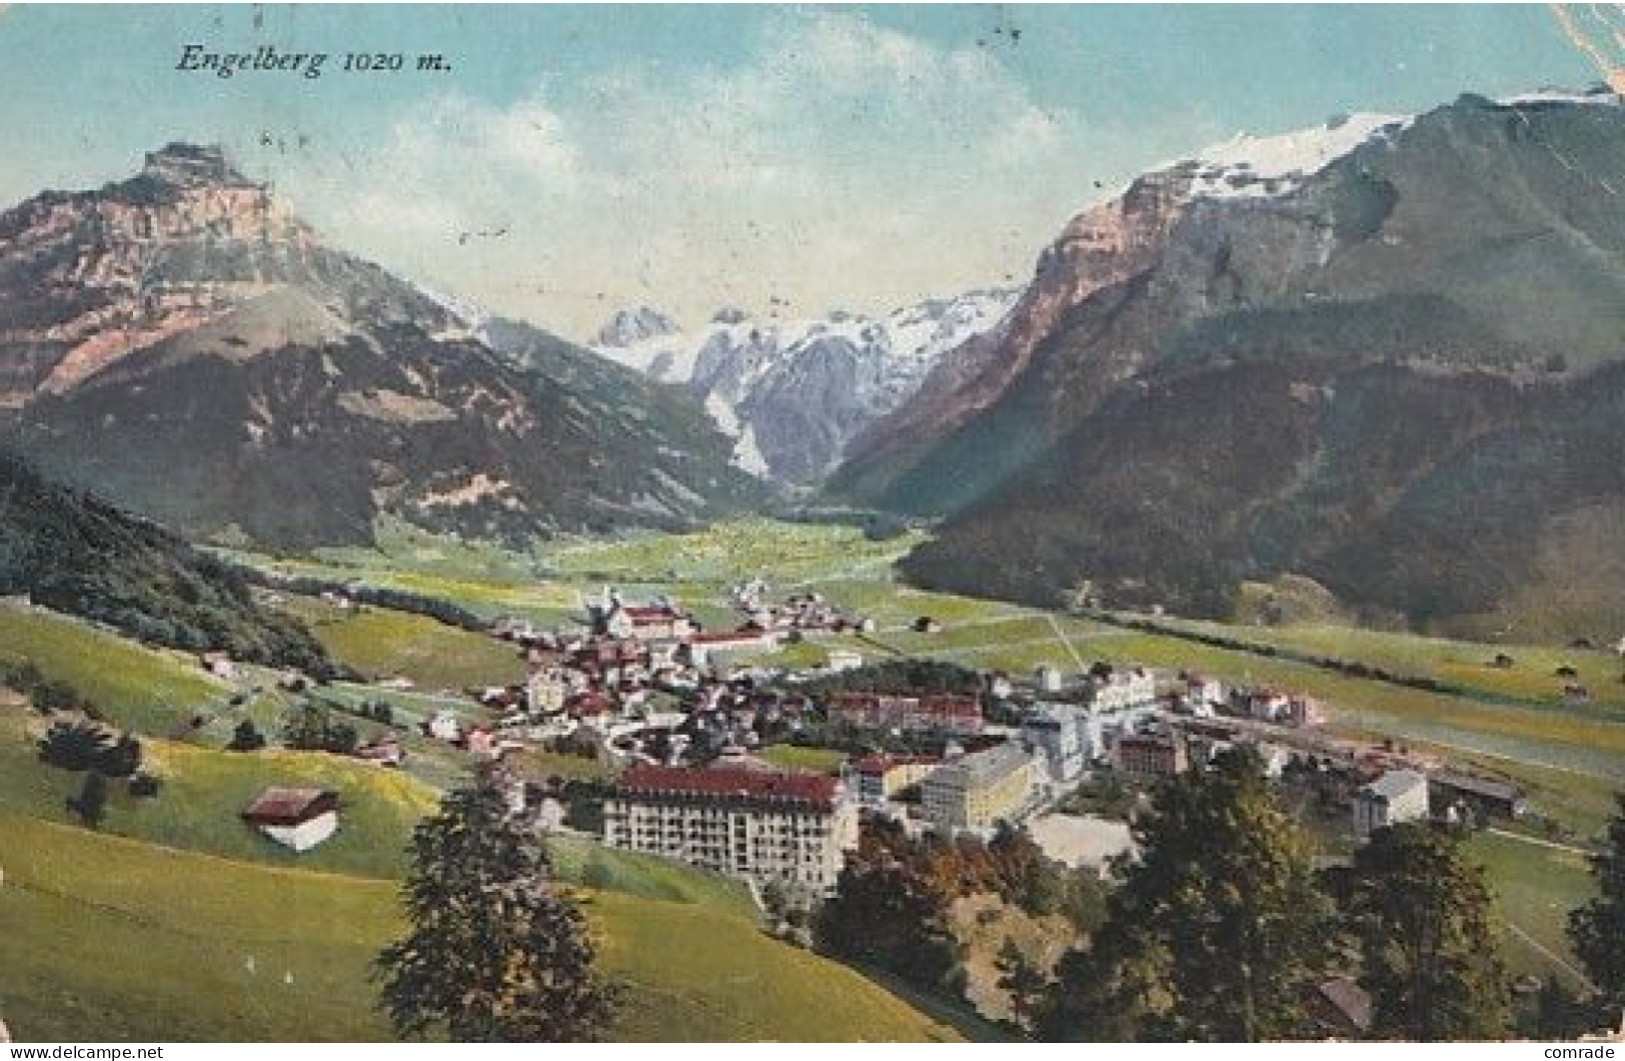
[572, 160]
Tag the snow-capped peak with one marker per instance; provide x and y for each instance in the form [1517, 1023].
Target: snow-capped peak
[1248, 166]
[634, 326]
[840, 371]
[1601, 96]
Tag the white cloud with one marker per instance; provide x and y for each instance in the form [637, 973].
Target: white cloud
[842, 163]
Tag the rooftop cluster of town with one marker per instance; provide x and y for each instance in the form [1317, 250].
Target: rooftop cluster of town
[684, 717]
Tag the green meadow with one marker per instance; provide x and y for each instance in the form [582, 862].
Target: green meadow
[149, 690]
[1535, 888]
[383, 643]
[110, 940]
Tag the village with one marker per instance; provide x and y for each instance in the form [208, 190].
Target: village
[685, 719]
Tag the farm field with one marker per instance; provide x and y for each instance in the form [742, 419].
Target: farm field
[1529, 674]
[159, 945]
[1535, 888]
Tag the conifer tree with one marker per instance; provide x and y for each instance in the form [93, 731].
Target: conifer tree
[494, 953]
[1422, 914]
[1214, 933]
[1597, 929]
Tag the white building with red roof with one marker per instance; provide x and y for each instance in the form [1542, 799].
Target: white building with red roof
[770, 827]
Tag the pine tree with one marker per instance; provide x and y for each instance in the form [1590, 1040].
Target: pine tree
[1430, 961]
[1214, 933]
[494, 954]
[306, 728]
[1023, 981]
[1597, 929]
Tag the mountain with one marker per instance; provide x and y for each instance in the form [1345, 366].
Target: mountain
[793, 393]
[183, 344]
[1384, 355]
[79, 555]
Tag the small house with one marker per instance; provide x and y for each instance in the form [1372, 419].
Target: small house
[841, 659]
[1340, 1008]
[220, 665]
[385, 751]
[1491, 798]
[1397, 796]
[299, 818]
[444, 726]
[482, 743]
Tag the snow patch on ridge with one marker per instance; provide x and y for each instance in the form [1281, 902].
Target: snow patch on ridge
[1254, 167]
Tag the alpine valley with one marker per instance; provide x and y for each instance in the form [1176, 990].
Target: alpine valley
[983, 667]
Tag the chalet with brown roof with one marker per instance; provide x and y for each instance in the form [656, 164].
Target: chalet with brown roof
[1495, 799]
[385, 751]
[299, 818]
[1340, 1007]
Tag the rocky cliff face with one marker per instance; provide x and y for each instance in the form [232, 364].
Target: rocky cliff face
[1294, 354]
[793, 394]
[184, 344]
[86, 278]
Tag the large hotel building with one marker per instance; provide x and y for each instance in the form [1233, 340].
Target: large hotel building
[791, 829]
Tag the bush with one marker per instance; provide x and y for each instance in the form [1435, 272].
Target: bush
[74, 746]
[246, 737]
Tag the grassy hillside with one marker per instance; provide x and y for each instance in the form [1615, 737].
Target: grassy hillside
[149, 690]
[205, 789]
[382, 643]
[1531, 675]
[153, 944]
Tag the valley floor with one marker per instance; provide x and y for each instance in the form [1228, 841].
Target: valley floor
[175, 922]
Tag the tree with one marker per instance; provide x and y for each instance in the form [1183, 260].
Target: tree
[311, 728]
[1429, 957]
[341, 739]
[246, 737]
[890, 909]
[91, 803]
[52, 696]
[122, 759]
[1214, 933]
[74, 745]
[306, 729]
[494, 953]
[1021, 978]
[1597, 928]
